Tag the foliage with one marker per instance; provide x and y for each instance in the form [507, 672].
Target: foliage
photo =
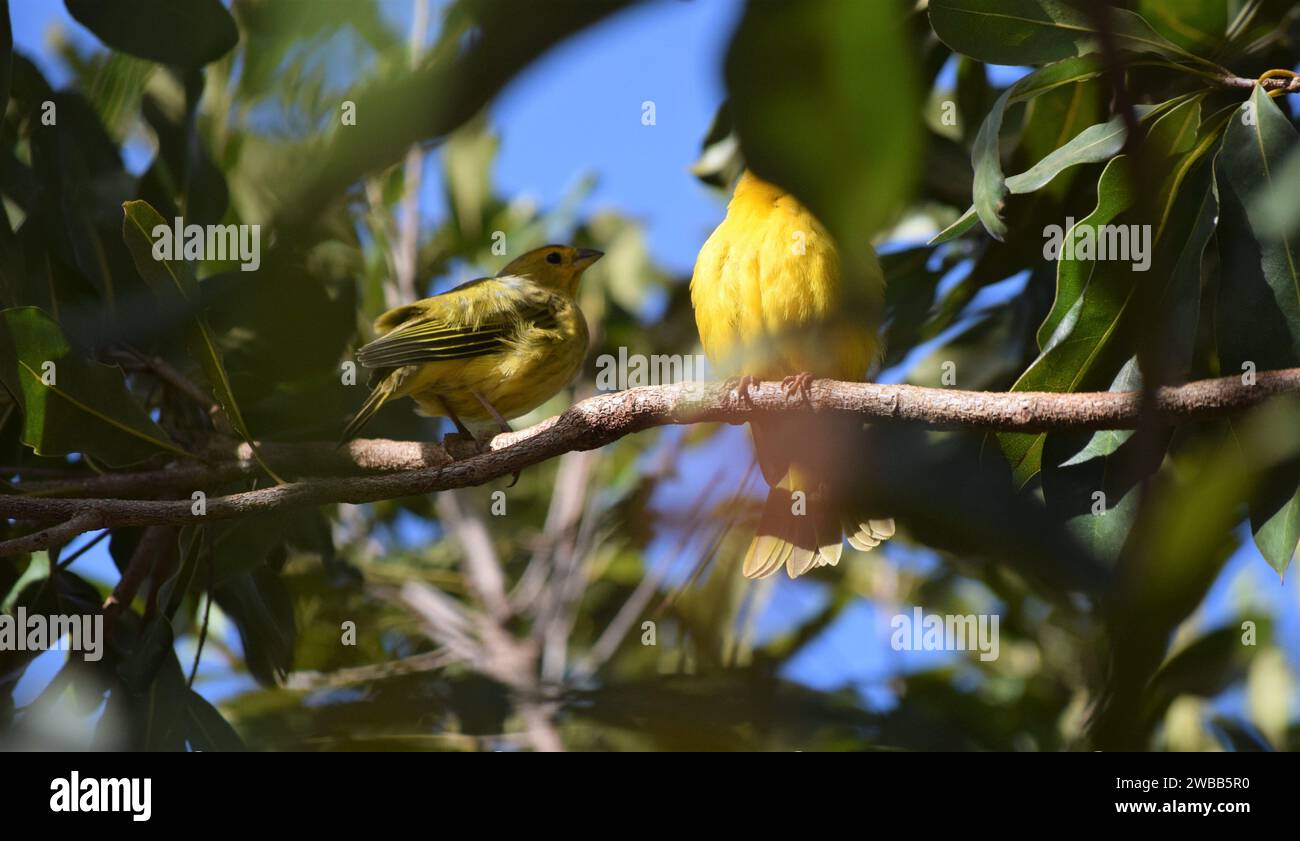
[843, 103]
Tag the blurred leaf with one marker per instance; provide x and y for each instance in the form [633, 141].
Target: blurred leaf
[1237, 735]
[206, 729]
[467, 157]
[6, 56]
[1179, 544]
[974, 95]
[720, 162]
[86, 408]
[1278, 207]
[259, 605]
[189, 33]
[1204, 668]
[183, 179]
[1037, 31]
[909, 294]
[785, 70]
[1195, 25]
[451, 86]
[272, 29]
[148, 718]
[173, 280]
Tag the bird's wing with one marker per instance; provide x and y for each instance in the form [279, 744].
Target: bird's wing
[474, 319]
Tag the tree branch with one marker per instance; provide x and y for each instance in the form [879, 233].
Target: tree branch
[599, 420]
[1275, 84]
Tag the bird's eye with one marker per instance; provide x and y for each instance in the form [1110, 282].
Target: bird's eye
[553, 258]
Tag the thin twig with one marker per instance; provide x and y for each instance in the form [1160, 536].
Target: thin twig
[1291, 85]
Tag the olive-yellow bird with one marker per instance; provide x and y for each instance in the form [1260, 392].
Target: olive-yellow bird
[772, 302]
[486, 351]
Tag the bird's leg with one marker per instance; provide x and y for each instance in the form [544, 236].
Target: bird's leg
[461, 429]
[800, 384]
[505, 427]
[741, 385]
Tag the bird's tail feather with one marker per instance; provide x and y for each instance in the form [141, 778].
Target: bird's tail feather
[803, 522]
[379, 395]
[802, 529]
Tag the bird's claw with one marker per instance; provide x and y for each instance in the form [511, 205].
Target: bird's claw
[798, 384]
[741, 386]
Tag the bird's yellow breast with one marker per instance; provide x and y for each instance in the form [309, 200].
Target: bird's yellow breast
[770, 298]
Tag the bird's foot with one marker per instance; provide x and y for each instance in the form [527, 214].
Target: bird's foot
[463, 445]
[798, 384]
[741, 386]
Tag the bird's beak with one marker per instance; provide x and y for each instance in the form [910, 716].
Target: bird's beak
[586, 256]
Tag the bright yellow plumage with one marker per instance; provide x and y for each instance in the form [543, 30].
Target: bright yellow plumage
[772, 302]
[487, 351]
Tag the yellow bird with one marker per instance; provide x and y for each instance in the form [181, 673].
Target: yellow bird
[487, 351]
[771, 302]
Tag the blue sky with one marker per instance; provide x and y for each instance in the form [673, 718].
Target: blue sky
[670, 53]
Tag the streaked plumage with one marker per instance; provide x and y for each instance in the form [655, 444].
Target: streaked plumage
[510, 341]
[771, 302]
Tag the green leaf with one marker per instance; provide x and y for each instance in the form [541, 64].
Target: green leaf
[989, 185]
[1238, 736]
[1106, 441]
[187, 33]
[1180, 303]
[1177, 548]
[1038, 31]
[1095, 143]
[1278, 206]
[909, 295]
[1093, 295]
[1275, 517]
[84, 408]
[850, 152]
[1197, 26]
[173, 281]
[206, 729]
[1070, 486]
[964, 223]
[1259, 319]
[259, 605]
[1259, 293]
[152, 717]
[6, 57]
